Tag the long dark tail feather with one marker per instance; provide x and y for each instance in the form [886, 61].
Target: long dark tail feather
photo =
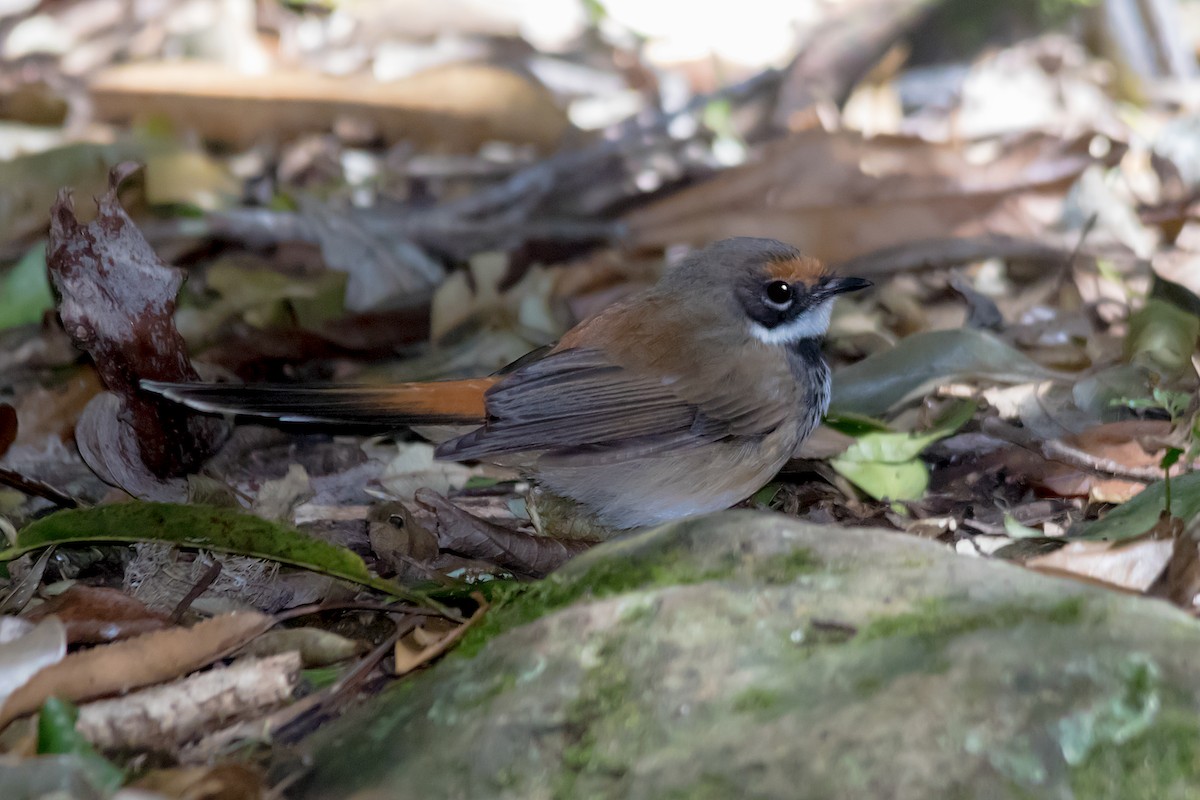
[432, 403]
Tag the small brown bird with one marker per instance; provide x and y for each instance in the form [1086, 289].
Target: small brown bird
[683, 399]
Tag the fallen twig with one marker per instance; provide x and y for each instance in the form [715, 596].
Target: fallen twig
[1063, 453]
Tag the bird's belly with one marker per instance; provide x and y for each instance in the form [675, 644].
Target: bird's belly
[648, 490]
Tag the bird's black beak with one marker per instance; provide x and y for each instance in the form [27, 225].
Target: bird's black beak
[836, 286]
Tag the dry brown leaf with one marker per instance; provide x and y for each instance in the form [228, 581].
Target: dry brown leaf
[409, 659]
[218, 782]
[1123, 443]
[54, 410]
[1134, 566]
[148, 659]
[838, 195]
[95, 614]
[453, 108]
[468, 535]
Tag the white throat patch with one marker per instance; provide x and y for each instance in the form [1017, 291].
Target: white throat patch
[812, 323]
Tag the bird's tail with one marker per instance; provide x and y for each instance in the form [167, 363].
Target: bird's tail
[432, 403]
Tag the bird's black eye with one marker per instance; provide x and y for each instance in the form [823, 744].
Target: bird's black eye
[780, 293]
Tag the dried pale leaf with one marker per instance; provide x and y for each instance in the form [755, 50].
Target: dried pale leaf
[277, 499]
[12, 628]
[473, 537]
[414, 468]
[317, 648]
[408, 659]
[24, 657]
[189, 177]
[151, 658]
[456, 107]
[216, 782]
[95, 614]
[1134, 566]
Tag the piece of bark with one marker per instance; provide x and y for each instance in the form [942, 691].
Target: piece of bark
[168, 717]
[116, 299]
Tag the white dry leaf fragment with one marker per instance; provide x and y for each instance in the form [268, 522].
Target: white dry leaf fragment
[277, 500]
[167, 717]
[24, 656]
[526, 308]
[414, 467]
[1133, 566]
[12, 628]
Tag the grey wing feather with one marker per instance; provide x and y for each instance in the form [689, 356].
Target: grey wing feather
[576, 402]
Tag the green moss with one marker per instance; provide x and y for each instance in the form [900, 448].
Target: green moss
[597, 726]
[516, 604]
[756, 700]
[709, 786]
[786, 568]
[1163, 763]
[938, 618]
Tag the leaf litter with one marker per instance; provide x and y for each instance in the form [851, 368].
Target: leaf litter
[1029, 222]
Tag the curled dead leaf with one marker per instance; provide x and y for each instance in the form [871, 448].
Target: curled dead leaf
[116, 301]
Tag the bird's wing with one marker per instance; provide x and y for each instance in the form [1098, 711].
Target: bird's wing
[579, 401]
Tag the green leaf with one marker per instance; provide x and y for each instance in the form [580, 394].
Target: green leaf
[906, 480]
[25, 290]
[886, 465]
[1141, 513]
[57, 736]
[880, 382]
[205, 527]
[855, 424]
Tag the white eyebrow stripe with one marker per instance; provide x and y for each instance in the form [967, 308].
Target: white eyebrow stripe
[810, 324]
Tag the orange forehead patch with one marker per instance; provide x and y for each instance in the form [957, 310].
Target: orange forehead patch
[802, 269]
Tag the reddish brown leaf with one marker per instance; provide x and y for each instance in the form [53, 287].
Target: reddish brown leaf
[93, 615]
[117, 300]
[8, 427]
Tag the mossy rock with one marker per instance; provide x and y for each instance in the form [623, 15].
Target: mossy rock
[750, 655]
